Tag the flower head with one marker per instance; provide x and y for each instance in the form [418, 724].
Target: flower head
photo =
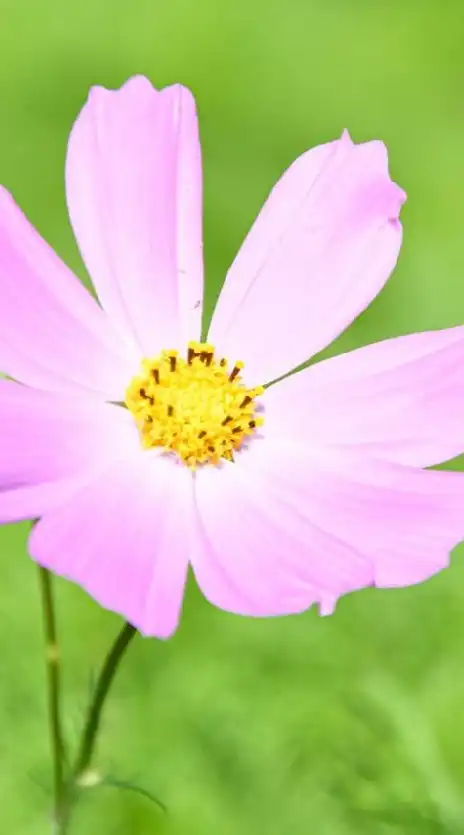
[196, 407]
[142, 449]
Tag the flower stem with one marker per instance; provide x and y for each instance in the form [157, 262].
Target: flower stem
[92, 723]
[52, 658]
[80, 775]
[65, 790]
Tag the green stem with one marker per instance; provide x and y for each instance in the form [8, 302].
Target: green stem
[92, 723]
[52, 657]
[81, 776]
[64, 791]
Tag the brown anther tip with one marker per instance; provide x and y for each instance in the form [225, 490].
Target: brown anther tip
[226, 420]
[142, 393]
[170, 410]
[202, 434]
[246, 400]
[237, 429]
[252, 424]
[156, 374]
[172, 363]
[235, 371]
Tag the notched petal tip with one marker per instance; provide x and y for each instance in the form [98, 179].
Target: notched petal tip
[397, 200]
[373, 155]
[183, 104]
[375, 160]
[140, 86]
[377, 194]
[346, 138]
[136, 82]
[327, 606]
[386, 198]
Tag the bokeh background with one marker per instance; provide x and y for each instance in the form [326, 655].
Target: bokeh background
[344, 725]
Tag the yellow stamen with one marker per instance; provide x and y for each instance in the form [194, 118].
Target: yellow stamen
[194, 408]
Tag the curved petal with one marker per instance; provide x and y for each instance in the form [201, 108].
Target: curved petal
[282, 526]
[125, 539]
[52, 444]
[53, 334]
[134, 190]
[401, 399]
[321, 249]
[257, 555]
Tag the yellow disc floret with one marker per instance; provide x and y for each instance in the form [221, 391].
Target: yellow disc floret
[196, 407]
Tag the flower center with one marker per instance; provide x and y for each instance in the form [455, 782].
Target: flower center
[194, 407]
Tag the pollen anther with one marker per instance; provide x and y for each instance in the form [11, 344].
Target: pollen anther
[201, 411]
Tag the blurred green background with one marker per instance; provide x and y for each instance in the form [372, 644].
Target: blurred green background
[350, 724]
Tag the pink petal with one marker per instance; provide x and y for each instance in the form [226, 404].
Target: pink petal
[53, 335]
[124, 538]
[283, 529]
[321, 249]
[134, 189]
[401, 399]
[52, 444]
[257, 556]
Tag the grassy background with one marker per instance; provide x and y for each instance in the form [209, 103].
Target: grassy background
[345, 725]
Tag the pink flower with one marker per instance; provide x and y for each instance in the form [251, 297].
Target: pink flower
[279, 500]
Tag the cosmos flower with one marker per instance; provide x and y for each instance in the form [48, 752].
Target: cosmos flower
[142, 449]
